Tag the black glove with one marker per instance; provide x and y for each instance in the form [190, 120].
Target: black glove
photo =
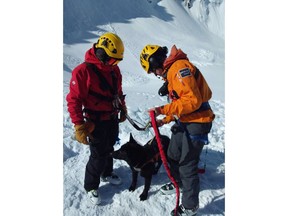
[123, 113]
[164, 89]
[116, 102]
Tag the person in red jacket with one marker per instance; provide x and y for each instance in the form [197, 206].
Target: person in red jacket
[189, 108]
[94, 101]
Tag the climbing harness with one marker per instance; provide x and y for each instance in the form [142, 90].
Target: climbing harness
[201, 137]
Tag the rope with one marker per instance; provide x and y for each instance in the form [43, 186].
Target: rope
[163, 157]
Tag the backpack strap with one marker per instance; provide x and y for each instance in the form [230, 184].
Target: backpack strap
[104, 85]
[196, 75]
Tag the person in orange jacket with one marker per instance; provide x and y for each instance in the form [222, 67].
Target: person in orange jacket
[193, 116]
[94, 101]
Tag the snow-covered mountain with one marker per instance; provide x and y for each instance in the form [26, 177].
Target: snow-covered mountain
[198, 29]
[42, 167]
[210, 13]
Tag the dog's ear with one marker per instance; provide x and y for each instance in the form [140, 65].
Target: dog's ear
[131, 140]
[131, 137]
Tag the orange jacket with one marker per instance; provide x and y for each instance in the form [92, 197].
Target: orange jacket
[186, 92]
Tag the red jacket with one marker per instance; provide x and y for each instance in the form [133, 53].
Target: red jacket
[85, 83]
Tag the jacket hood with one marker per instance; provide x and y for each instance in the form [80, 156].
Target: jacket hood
[90, 57]
[175, 55]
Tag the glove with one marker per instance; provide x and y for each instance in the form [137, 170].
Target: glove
[116, 102]
[156, 110]
[123, 113]
[159, 122]
[164, 89]
[83, 131]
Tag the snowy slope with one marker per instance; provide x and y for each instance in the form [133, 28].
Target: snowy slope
[34, 114]
[138, 23]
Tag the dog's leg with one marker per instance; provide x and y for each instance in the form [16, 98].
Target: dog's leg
[134, 179]
[144, 194]
[157, 167]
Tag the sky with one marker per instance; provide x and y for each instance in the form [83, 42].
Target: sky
[32, 164]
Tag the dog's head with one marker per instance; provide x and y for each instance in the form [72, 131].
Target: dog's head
[131, 152]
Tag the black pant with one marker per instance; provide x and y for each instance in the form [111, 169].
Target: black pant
[183, 157]
[100, 162]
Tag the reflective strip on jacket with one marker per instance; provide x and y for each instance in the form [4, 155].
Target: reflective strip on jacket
[191, 93]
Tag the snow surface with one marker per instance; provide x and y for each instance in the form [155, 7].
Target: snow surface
[35, 150]
[139, 23]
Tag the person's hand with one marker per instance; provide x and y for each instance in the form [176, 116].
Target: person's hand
[163, 91]
[83, 131]
[116, 102]
[159, 122]
[123, 113]
[156, 110]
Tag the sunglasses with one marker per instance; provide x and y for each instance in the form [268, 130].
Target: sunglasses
[155, 63]
[152, 70]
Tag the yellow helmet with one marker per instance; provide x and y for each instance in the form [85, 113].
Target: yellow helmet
[153, 57]
[147, 51]
[112, 44]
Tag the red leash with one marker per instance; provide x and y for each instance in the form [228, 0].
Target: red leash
[163, 157]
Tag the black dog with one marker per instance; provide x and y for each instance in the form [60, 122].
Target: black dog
[144, 159]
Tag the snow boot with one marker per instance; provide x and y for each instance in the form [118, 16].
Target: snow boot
[169, 188]
[182, 211]
[112, 179]
[94, 197]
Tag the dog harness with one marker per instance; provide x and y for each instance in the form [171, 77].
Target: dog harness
[154, 159]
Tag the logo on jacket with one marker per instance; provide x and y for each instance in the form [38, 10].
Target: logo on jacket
[185, 72]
